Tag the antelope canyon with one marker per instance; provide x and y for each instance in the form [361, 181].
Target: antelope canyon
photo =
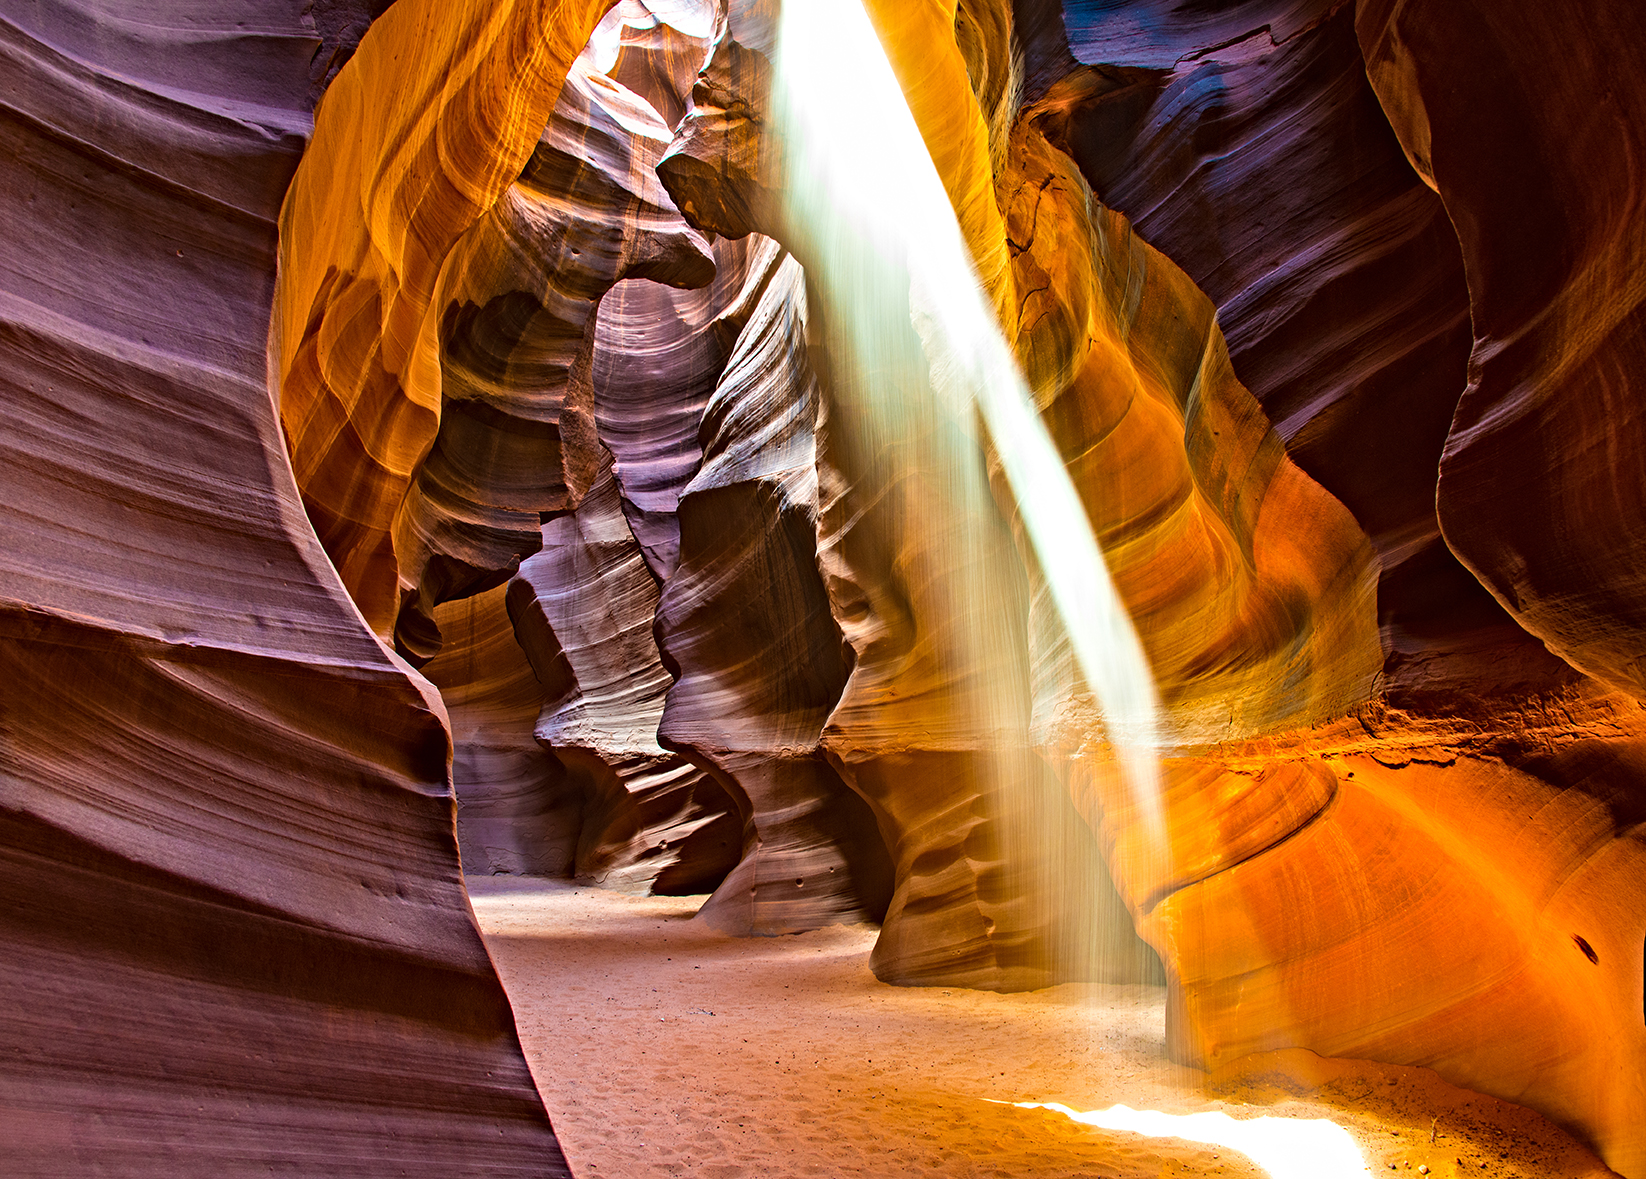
[777, 588]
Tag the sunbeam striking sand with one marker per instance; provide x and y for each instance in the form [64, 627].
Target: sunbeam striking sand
[1287, 1148]
[664, 1049]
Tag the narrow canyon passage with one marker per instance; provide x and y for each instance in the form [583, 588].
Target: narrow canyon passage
[877, 531]
[663, 1048]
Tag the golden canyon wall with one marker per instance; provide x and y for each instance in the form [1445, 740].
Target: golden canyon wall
[1254, 146]
[572, 539]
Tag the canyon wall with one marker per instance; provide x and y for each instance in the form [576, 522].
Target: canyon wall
[1282, 153]
[570, 481]
[236, 936]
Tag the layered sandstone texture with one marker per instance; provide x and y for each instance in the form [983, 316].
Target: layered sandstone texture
[1283, 154]
[1329, 310]
[235, 934]
[1541, 480]
[622, 430]
[1251, 149]
[1317, 867]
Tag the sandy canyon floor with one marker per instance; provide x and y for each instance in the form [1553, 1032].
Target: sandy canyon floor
[665, 1049]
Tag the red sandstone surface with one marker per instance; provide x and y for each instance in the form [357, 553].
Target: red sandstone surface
[427, 445]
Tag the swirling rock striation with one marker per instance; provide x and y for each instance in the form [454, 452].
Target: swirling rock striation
[768, 642]
[531, 397]
[1272, 633]
[236, 938]
[1234, 657]
[1250, 148]
[517, 310]
[1341, 288]
[1541, 485]
[417, 140]
[659, 353]
[582, 610]
[745, 624]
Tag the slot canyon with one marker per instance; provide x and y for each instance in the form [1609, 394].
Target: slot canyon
[560, 617]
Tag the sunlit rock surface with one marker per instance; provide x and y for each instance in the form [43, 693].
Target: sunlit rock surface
[516, 305]
[659, 352]
[745, 623]
[235, 938]
[1251, 150]
[1213, 536]
[419, 138]
[1330, 310]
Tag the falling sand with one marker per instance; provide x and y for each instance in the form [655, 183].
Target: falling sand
[663, 1048]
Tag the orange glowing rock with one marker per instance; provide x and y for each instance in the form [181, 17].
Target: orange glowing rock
[415, 141]
[761, 674]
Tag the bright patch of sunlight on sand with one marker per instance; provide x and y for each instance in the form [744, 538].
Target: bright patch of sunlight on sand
[1287, 1148]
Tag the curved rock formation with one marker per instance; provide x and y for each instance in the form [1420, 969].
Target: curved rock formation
[658, 355]
[745, 625]
[1332, 269]
[1248, 584]
[517, 309]
[416, 141]
[582, 611]
[1250, 149]
[770, 633]
[1441, 884]
[235, 934]
[1253, 620]
[1541, 487]
[1090, 340]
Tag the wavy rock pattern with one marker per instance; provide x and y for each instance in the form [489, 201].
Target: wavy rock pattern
[516, 306]
[1541, 485]
[657, 54]
[1215, 540]
[738, 658]
[532, 397]
[236, 938]
[434, 120]
[1333, 271]
[658, 354]
[582, 610]
[1111, 343]
[1249, 148]
[1440, 885]
[746, 624]
[1209, 576]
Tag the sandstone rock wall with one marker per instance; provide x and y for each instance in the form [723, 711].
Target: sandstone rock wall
[746, 626]
[1252, 151]
[577, 396]
[517, 306]
[1351, 315]
[235, 935]
[413, 147]
[1541, 481]
[702, 621]
[519, 811]
[1249, 149]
